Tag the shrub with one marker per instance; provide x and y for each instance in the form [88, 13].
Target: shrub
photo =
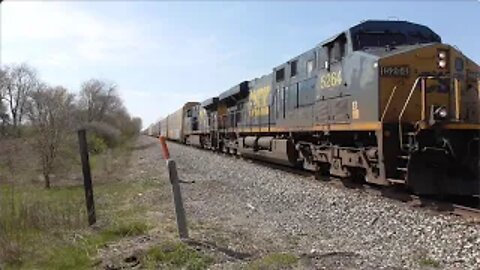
[109, 134]
[96, 144]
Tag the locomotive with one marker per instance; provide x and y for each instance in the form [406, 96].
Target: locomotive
[384, 101]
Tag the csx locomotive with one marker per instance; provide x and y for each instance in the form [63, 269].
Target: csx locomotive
[384, 101]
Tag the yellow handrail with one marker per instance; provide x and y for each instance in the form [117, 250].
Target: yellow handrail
[407, 101]
[456, 84]
[388, 103]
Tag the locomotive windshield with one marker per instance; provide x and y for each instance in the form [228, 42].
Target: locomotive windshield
[367, 39]
[373, 34]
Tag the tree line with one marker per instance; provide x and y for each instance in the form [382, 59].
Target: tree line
[49, 115]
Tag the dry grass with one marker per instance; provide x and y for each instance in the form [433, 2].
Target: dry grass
[27, 213]
[175, 255]
[274, 261]
[47, 228]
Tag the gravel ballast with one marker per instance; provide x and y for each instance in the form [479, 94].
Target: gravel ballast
[252, 208]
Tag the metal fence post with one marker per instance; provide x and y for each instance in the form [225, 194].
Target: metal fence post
[177, 193]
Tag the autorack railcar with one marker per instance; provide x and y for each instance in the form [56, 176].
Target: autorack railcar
[176, 125]
[383, 101]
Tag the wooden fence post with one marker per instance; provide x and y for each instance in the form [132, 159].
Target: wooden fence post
[87, 177]
[177, 193]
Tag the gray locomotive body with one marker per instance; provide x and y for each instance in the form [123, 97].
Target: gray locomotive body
[384, 101]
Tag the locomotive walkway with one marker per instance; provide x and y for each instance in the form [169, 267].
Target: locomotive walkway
[293, 221]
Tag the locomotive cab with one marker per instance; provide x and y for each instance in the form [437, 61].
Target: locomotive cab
[429, 109]
[417, 96]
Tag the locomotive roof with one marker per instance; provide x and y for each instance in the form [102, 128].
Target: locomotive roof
[211, 102]
[405, 27]
[238, 91]
[379, 26]
[266, 78]
[383, 26]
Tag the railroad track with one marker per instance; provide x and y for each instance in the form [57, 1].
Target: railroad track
[444, 206]
[469, 210]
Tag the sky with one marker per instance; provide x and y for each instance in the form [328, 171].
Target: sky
[163, 54]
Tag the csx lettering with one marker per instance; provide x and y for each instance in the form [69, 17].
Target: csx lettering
[331, 79]
[259, 101]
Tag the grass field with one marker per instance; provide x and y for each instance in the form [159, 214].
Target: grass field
[47, 228]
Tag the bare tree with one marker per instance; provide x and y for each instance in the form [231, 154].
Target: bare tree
[98, 98]
[4, 118]
[3, 82]
[21, 80]
[136, 125]
[48, 111]
[3, 108]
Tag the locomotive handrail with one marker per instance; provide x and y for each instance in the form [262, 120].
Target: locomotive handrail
[388, 103]
[400, 133]
[407, 101]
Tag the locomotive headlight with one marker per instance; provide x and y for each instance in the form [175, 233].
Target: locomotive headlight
[442, 63]
[440, 113]
[442, 55]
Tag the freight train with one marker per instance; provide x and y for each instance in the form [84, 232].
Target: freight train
[384, 101]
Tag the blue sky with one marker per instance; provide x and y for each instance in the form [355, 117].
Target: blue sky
[162, 54]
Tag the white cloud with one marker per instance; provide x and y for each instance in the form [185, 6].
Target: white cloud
[160, 65]
[70, 33]
[70, 36]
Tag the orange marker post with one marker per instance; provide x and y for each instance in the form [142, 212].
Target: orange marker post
[163, 144]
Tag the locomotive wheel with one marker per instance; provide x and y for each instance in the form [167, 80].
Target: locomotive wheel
[323, 172]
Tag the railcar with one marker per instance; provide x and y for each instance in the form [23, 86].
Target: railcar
[177, 124]
[384, 101]
[153, 130]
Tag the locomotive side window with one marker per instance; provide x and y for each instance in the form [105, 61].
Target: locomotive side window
[280, 75]
[322, 57]
[293, 68]
[336, 51]
[310, 67]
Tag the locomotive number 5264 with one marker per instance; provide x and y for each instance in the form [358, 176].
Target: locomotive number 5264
[331, 79]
